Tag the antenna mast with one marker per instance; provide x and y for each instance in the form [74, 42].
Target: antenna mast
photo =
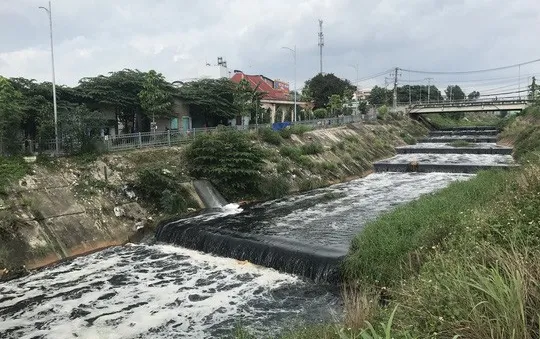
[321, 40]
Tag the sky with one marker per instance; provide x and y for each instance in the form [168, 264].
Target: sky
[178, 37]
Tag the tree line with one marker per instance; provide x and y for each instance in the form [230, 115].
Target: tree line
[135, 98]
[418, 93]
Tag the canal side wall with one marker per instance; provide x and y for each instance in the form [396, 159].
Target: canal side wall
[73, 206]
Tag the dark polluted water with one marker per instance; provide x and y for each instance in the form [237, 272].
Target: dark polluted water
[158, 291]
[165, 291]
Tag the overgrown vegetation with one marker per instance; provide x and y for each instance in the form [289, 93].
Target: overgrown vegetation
[163, 191]
[11, 170]
[229, 160]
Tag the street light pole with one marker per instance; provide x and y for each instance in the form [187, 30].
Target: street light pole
[49, 12]
[428, 89]
[294, 55]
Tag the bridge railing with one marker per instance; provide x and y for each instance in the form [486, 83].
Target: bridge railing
[475, 102]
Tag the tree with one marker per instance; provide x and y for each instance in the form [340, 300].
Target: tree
[10, 118]
[363, 107]
[454, 92]
[534, 90]
[473, 95]
[248, 100]
[320, 113]
[210, 100]
[119, 91]
[322, 87]
[156, 96]
[335, 104]
[379, 96]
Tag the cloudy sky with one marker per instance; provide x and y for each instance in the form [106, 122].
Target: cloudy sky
[177, 38]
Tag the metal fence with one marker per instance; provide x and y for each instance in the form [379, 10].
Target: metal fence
[172, 137]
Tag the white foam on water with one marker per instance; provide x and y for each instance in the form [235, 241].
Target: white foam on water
[158, 291]
[231, 209]
[430, 158]
[428, 145]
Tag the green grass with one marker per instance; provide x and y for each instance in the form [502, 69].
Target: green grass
[391, 248]
[11, 170]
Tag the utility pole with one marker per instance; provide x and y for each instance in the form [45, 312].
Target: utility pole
[410, 97]
[321, 41]
[49, 12]
[428, 88]
[395, 88]
[294, 55]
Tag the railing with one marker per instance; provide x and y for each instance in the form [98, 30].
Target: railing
[171, 137]
[474, 102]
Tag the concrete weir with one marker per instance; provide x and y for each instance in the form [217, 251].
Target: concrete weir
[465, 132]
[447, 168]
[480, 152]
[464, 138]
[455, 150]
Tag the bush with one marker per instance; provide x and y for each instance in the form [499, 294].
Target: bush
[312, 148]
[229, 160]
[270, 136]
[310, 184]
[320, 113]
[300, 129]
[274, 187]
[292, 152]
[286, 132]
[162, 191]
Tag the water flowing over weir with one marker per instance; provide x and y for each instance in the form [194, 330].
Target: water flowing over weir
[306, 234]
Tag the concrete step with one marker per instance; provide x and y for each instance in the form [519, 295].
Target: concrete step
[455, 150]
[447, 168]
[465, 132]
[449, 139]
[469, 128]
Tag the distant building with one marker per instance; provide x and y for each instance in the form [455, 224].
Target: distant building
[276, 100]
[217, 71]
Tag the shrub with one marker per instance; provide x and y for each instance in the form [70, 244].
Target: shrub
[229, 160]
[320, 113]
[270, 136]
[291, 152]
[409, 140]
[286, 132]
[309, 184]
[312, 148]
[274, 187]
[300, 129]
[162, 191]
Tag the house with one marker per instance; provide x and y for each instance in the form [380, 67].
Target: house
[276, 100]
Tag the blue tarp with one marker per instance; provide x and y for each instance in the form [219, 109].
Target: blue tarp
[278, 126]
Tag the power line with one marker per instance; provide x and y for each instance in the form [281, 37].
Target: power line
[476, 71]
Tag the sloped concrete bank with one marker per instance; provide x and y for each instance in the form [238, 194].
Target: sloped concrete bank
[71, 206]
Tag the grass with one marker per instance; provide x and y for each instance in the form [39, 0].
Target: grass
[392, 247]
[11, 170]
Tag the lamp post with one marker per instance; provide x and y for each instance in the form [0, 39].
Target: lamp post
[49, 12]
[294, 55]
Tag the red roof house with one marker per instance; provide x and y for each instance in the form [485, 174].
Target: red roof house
[275, 90]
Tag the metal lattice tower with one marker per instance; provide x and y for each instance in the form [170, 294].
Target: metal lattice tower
[321, 41]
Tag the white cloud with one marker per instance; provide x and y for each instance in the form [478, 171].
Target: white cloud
[177, 37]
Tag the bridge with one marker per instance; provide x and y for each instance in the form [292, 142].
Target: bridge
[469, 106]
